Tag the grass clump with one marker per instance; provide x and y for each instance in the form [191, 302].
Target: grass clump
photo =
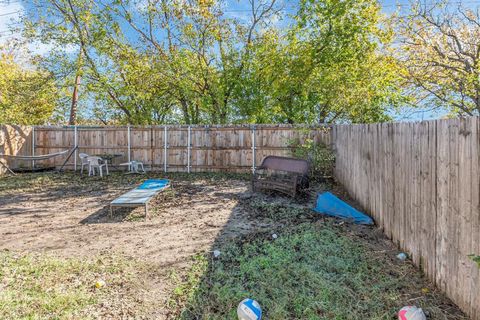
[277, 211]
[46, 287]
[310, 272]
[186, 287]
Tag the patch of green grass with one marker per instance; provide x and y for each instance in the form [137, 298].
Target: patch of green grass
[312, 271]
[186, 287]
[277, 211]
[46, 287]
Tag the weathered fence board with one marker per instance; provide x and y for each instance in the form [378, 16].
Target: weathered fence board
[421, 183]
[212, 148]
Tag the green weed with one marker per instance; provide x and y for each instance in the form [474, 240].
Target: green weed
[277, 211]
[311, 271]
[47, 287]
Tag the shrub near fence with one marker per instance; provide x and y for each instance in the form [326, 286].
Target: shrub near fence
[421, 183]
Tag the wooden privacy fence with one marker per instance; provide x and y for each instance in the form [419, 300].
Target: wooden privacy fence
[175, 148]
[421, 183]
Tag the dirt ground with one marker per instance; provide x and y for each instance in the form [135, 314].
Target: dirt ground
[77, 224]
[72, 220]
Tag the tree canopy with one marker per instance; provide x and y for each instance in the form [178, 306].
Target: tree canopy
[440, 49]
[158, 61]
[27, 95]
[199, 62]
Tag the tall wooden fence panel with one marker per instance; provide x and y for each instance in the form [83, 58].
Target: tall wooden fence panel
[178, 148]
[420, 182]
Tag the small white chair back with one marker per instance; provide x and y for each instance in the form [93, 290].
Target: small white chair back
[83, 157]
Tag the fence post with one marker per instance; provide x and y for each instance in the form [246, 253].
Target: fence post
[253, 149]
[75, 144]
[128, 145]
[165, 149]
[151, 148]
[189, 146]
[33, 146]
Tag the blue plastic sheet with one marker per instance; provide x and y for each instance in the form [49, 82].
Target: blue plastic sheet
[330, 205]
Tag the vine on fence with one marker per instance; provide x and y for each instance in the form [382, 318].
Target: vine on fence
[475, 258]
[322, 159]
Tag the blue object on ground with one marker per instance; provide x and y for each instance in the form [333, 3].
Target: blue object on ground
[154, 184]
[330, 205]
[141, 194]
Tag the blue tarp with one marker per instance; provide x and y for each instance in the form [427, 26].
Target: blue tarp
[330, 205]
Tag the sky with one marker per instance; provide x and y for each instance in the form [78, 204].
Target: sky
[11, 11]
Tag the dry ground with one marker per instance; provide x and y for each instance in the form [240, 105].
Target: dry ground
[70, 221]
[67, 216]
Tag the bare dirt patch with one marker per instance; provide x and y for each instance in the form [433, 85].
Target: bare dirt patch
[75, 222]
[69, 217]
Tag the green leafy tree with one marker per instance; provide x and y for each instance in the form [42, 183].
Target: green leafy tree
[332, 67]
[28, 95]
[157, 61]
[202, 54]
[179, 61]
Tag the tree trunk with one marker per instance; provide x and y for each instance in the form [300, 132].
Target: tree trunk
[73, 108]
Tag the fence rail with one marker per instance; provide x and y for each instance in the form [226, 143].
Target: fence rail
[421, 183]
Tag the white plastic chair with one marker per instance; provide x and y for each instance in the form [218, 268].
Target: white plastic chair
[84, 161]
[135, 166]
[96, 162]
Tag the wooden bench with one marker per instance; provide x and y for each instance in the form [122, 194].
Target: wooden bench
[282, 174]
